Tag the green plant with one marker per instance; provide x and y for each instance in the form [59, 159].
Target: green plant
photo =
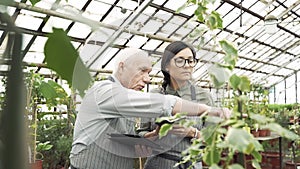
[229, 136]
[47, 92]
[58, 131]
[42, 147]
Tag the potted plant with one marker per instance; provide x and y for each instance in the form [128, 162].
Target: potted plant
[294, 149]
[38, 163]
[42, 92]
[293, 156]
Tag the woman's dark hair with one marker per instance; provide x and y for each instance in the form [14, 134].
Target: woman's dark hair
[171, 50]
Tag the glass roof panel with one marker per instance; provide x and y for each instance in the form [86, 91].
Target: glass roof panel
[278, 51]
[26, 39]
[77, 4]
[257, 65]
[128, 4]
[79, 30]
[137, 41]
[34, 57]
[151, 44]
[283, 58]
[96, 10]
[57, 23]
[28, 21]
[284, 72]
[293, 64]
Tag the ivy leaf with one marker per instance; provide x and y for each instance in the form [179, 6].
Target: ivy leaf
[231, 53]
[219, 21]
[199, 12]
[181, 8]
[214, 21]
[61, 56]
[228, 48]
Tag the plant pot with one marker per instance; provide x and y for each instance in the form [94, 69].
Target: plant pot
[270, 160]
[264, 132]
[255, 133]
[38, 164]
[291, 165]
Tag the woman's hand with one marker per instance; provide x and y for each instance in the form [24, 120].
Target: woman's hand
[184, 131]
[153, 135]
[220, 112]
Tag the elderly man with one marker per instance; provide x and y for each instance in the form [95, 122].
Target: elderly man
[110, 106]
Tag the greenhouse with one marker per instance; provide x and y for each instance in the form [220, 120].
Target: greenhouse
[150, 84]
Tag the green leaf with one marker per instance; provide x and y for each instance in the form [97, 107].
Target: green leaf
[215, 166]
[47, 90]
[219, 75]
[249, 148]
[242, 141]
[199, 12]
[228, 48]
[215, 21]
[181, 8]
[255, 164]
[61, 56]
[219, 20]
[212, 22]
[234, 81]
[282, 131]
[33, 2]
[256, 155]
[231, 53]
[207, 133]
[44, 146]
[60, 91]
[235, 166]
[212, 156]
[244, 84]
[164, 129]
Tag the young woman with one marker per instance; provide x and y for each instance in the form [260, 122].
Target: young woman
[177, 66]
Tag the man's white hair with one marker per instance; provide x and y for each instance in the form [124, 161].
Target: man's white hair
[125, 54]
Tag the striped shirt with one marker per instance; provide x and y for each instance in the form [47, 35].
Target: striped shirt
[108, 108]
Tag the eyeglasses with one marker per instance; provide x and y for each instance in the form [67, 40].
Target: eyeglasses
[180, 62]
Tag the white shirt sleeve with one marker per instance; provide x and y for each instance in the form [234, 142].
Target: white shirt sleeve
[111, 100]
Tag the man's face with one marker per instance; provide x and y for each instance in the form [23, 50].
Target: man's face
[135, 72]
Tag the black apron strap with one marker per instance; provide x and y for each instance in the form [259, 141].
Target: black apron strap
[193, 92]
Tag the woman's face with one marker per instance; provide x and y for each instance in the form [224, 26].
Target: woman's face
[179, 73]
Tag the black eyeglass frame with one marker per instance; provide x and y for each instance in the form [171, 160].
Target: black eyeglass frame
[188, 61]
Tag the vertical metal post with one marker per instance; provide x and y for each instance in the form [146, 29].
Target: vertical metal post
[13, 129]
